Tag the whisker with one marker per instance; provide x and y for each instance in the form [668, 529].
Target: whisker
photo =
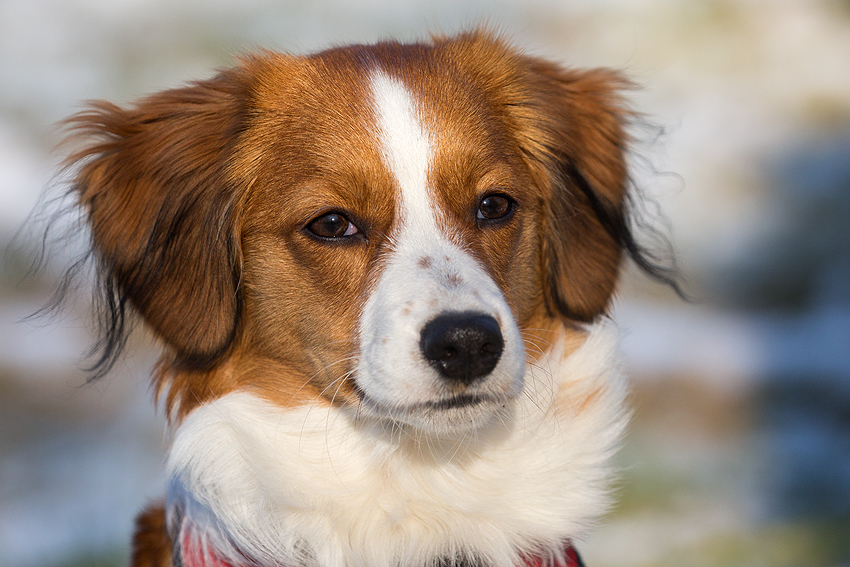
[535, 345]
[528, 336]
[339, 381]
[321, 370]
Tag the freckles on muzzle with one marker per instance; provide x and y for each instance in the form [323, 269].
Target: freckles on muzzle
[439, 356]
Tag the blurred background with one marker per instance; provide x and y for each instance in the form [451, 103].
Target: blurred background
[740, 449]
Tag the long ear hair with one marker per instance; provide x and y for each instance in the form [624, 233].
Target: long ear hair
[581, 120]
[153, 183]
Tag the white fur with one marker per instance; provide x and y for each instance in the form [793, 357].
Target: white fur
[424, 276]
[329, 487]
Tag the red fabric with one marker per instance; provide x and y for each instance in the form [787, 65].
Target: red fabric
[571, 559]
[197, 556]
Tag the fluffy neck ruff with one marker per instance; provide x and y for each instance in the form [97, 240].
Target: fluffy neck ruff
[323, 487]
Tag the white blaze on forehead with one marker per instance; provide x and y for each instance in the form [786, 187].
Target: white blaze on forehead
[425, 275]
[406, 146]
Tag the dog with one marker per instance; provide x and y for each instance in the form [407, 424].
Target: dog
[380, 277]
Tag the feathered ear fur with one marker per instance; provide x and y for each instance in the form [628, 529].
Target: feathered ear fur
[571, 128]
[583, 144]
[153, 181]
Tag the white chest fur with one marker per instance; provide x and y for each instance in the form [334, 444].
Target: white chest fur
[313, 485]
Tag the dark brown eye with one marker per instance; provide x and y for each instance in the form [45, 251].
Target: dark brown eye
[332, 225]
[494, 207]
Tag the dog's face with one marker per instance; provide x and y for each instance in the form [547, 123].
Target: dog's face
[392, 228]
[405, 257]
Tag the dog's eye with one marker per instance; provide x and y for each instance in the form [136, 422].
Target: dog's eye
[494, 207]
[333, 225]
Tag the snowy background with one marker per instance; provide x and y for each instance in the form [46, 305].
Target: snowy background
[740, 450]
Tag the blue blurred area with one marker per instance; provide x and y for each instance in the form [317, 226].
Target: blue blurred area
[795, 282]
[803, 276]
[804, 263]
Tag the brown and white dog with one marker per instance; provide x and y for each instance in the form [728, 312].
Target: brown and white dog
[379, 274]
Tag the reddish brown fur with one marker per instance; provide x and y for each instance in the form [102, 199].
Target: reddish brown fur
[198, 198]
[158, 194]
[151, 544]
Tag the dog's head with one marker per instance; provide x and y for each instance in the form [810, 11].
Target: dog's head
[395, 228]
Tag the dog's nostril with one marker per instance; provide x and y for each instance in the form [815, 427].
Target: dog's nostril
[462, 346]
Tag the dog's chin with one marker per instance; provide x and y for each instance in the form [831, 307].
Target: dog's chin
[452, 416]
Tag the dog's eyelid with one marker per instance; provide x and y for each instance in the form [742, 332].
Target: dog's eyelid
[333, 225]
[504, 191]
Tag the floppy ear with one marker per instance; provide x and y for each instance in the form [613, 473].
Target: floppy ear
[582, 119]
[153, 182]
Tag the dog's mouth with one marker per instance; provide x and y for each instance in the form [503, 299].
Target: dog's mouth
[461, 401]
[453, 414]
[453, 402]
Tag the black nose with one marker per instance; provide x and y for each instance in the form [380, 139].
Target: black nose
[462, 346]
